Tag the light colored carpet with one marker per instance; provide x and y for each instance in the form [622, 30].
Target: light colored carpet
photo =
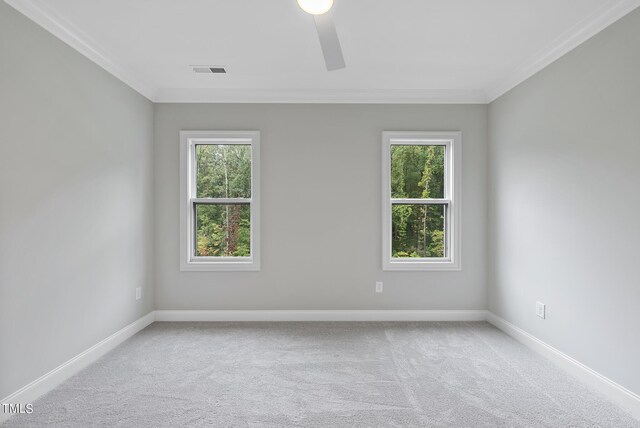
[322, 375]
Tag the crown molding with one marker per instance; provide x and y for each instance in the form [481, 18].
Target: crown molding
[43, 15]
[321, 96]
[571, 39]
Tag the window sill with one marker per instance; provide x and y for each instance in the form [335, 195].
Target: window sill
[220, 266]
[420, 265]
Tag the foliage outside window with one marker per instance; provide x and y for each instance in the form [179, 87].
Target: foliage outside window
[419, 211]
[220, 200]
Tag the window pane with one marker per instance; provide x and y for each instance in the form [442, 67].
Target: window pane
[418, 231]
[417, 171]
[223, 230]
[223, 171]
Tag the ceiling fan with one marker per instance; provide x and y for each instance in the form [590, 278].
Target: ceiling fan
[320, 9]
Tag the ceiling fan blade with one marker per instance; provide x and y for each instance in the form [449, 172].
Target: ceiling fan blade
[329, 42]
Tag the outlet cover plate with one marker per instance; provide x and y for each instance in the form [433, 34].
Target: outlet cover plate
[541, 310]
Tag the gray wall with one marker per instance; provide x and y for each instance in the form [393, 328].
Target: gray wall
[564, 165]
[321, 204]
[76, 202]
[77, 205]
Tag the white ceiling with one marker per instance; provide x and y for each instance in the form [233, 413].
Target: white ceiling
[395, 50]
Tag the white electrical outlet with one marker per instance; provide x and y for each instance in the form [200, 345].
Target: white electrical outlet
[138, 293]
[378, 287]
[541, 310]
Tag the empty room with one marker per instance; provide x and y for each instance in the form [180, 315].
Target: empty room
[319, 213]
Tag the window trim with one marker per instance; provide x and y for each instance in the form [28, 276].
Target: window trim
[453, 193]
[188, 260]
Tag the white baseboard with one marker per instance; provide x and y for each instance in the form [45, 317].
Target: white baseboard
[321, 315]
[45, 383]
[613, 391]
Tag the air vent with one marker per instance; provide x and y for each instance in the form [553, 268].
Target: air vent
[209, 69]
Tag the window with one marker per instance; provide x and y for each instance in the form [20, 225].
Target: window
[421, 200]
[220, 200]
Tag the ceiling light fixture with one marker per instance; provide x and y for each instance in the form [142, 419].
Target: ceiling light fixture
[315, 7]
[327, 33]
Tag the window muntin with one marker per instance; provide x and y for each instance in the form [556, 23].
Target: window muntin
[220, 200]
[421, 181]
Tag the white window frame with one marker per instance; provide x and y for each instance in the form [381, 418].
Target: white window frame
[188, 260]
[452, 199]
